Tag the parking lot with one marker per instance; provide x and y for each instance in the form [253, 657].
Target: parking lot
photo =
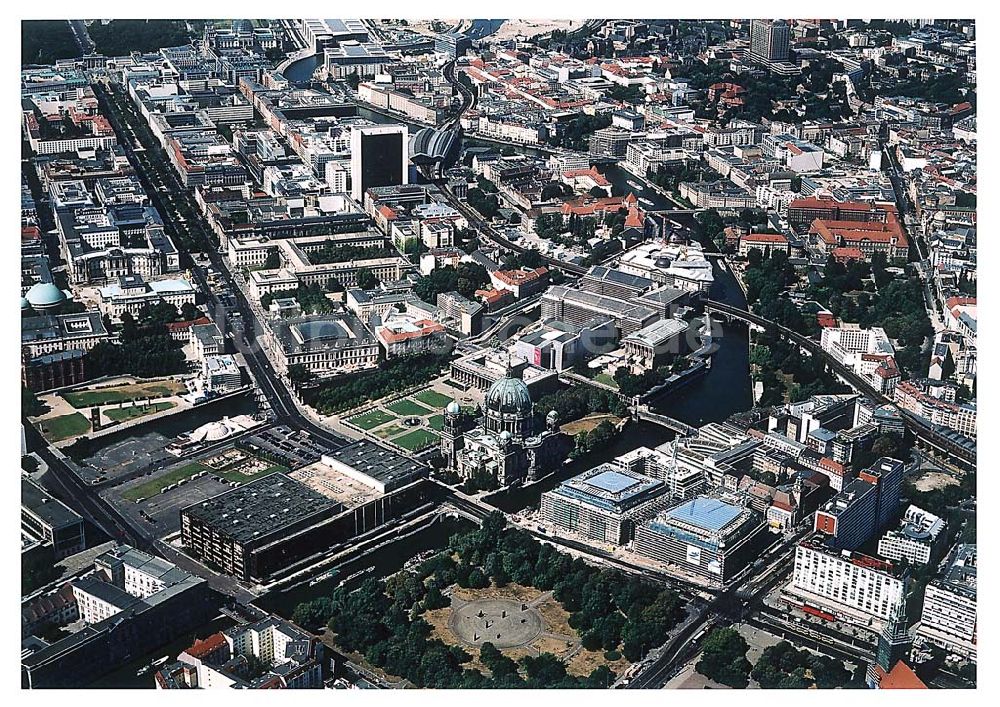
[164, 508]
[295, 447]
[127, 456]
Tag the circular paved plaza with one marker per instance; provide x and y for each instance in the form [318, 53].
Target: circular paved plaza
[502, 622]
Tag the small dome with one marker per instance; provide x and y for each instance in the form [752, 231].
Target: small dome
[45, 294]
[509, 395]
[453, 408]
[25, 304]
[553, 416]
[505, 437]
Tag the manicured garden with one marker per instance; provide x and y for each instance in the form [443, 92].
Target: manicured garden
[432, 398]
[372, 419]
[407, 408]
[416, 440]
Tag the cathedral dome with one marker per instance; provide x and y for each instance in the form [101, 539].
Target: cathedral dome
[453, 408]
[509, 395]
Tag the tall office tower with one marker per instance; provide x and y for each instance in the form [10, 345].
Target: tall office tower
[378, 158]
[769, 39]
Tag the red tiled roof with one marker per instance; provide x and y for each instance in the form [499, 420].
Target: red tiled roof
[847, 253]
[764, 238]
[634, 218]
[901, 677]
[598, 178]
[519, 277]
[202, 648]
[178, 326]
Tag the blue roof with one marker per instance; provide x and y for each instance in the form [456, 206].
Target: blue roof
[612, 481]
[707, 513]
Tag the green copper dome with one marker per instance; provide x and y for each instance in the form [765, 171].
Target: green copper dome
[509, 395]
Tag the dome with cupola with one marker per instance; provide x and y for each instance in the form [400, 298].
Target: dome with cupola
[509, 396]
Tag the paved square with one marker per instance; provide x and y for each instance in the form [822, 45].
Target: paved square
[502, 622]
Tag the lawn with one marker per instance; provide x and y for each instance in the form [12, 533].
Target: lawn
[154, 486]
[416, 440]
[122, 393]
[432, 398]
[606, 380]
[134, 411]
[372, 419]
[56, 429]
[407, 408]
[436, 422]
[387, 432]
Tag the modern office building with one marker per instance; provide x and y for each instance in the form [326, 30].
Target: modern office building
[769, 39]
[949, 613]
[863, 507]
[49, 522]
[918, 537]
[705, 536]
[848, 519]
[375, 466]
[221, 373]
[230, 530]
[852, 586]
[378, 158]
[603, 503]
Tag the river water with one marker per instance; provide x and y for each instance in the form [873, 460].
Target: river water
[724, 390]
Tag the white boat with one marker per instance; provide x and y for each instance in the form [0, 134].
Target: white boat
[329, 574]
[634, 185]
[647, 202]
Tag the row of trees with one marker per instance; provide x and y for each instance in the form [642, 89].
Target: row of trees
[575, 135]
[392, 375]
[486, 204]
[382, 619]
[781, 666]
[633, 384]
